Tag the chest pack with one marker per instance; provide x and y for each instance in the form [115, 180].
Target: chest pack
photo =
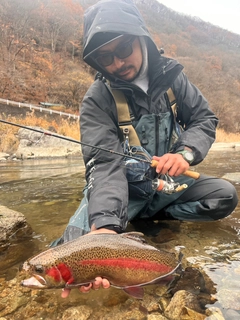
[156, 133]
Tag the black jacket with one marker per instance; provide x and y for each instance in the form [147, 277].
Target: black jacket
[105, 171]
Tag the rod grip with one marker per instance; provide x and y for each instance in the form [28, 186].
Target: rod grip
[192, 174]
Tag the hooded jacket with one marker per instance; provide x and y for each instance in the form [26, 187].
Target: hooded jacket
[105, 171]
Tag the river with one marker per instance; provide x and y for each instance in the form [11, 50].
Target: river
[48, 192]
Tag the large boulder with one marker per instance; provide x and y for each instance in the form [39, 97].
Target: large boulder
[15, 240]
[13, 226]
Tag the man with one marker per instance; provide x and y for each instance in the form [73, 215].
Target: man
[118, 45]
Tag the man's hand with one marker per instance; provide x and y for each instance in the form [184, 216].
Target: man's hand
[171, 163]
[99, 282]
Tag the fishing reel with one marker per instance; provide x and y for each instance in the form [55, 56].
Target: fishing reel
[167, 185]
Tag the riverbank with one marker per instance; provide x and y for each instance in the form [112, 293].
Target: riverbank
[218, 146]
[41, 144]
[55, 148]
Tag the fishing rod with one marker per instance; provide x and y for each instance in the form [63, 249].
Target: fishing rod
[52, 134]
[153, 163]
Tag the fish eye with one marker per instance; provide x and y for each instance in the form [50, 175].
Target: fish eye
[39, 268]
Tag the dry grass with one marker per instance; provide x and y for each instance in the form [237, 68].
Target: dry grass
[223, 136]
[9, 141]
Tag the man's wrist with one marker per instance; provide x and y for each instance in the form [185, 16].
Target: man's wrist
[187, 154]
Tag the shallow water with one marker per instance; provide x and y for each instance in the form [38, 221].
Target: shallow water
[48, 192]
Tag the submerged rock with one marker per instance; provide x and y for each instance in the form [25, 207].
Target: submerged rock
[154, 316]
[214, 313]
[14, 231]
[190, 280]
[77, 313]
[12, 227]
[184, 305]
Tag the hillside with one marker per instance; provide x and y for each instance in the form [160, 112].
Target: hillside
[41, 47]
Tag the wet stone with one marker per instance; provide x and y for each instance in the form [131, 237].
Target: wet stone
[13, 225]
[164, 236]
[15, 303]
[131, 310]
[163, 303]
[135, 314]
[150, 304]
[190, 280]
[214, 313]
[154, 316]
[181, 300]
[77, 313]
[189, 314]
[113, 297]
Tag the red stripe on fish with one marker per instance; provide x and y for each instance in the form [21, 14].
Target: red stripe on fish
[129, 263]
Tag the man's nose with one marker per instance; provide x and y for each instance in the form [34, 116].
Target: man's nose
[118, 63]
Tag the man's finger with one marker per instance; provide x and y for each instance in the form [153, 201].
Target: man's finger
[85, 289]
[65, 293]
[97, 283]
[105, 283]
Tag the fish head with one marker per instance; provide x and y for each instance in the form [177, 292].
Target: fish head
[46, 277]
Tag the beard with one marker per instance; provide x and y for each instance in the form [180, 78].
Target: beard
[128, 73]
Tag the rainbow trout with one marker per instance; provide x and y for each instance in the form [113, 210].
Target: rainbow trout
[124, 259]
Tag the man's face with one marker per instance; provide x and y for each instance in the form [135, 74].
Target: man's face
[121, 57]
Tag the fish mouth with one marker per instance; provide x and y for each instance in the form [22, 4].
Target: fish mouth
[35, 282]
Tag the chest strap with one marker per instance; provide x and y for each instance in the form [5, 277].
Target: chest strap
[124, 119]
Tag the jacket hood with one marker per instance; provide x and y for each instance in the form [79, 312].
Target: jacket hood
[107, 20]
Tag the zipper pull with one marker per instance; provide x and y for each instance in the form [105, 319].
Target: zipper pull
[126, 146]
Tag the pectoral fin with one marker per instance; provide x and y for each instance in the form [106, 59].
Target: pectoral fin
[136, 292]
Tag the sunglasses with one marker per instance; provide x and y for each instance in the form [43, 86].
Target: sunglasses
[123, 51]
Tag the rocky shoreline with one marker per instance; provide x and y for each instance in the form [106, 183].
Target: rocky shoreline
[35, 145]
[221, 146]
